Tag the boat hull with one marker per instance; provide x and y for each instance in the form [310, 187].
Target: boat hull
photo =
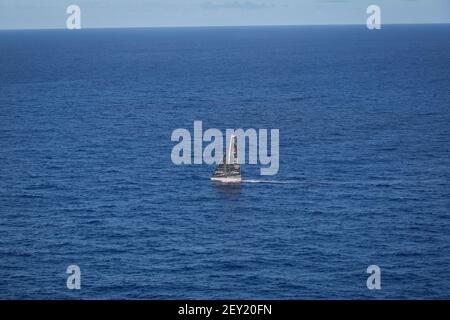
[227, 179]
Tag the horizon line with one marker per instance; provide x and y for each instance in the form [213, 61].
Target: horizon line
[227, 26]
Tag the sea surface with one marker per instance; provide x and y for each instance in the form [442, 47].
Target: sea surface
[86, 176]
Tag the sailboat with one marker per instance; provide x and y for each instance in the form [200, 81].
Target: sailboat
[229, 170]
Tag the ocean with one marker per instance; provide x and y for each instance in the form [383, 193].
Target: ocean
[86, 176]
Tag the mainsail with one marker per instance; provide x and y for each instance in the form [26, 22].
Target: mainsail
[229, 170]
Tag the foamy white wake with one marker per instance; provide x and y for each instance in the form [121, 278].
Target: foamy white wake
[269, 181]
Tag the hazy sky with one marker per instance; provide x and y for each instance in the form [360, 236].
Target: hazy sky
[30, 14]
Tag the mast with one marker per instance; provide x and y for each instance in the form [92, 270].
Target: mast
[230, 149]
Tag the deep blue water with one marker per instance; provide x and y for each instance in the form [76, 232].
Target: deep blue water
[86, 176]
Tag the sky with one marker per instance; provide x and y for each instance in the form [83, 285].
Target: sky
[38, 14]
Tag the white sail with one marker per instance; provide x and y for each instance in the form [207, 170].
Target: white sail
[229, 170]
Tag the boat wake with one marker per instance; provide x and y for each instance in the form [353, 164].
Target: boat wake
[269, 181]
